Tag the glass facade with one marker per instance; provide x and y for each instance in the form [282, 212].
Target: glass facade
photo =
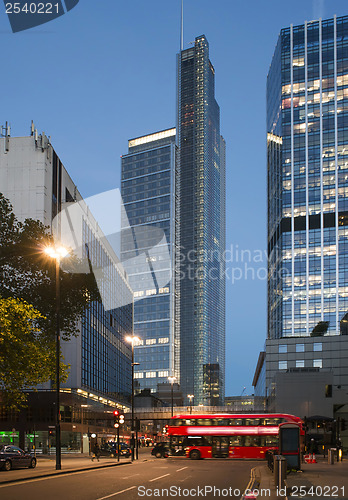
[105, 355]
[202, 228]
[149, 193]
[307, 144]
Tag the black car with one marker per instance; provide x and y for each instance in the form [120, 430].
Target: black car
[161, 450]
[12, 457]
[110, 450]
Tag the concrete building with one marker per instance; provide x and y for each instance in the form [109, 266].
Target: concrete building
[38, 186]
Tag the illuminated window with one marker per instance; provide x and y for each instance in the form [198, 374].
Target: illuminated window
[163, 373]
[317, 363]
[150, 341]
[163, 340]
[283, 365]
[164, 290]
[150, 374]
[138, 375]
[138, 294]
[151, 292]
[300, 363]
[317, 346]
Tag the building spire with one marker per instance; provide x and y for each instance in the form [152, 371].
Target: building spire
[182, 26]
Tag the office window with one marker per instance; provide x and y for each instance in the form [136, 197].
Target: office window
[317, 363]
[150, 374]
[317, 346]
[283, 365]
[138, 375]
[150, 341]
[283, 348]
[299, 347]
[300, 363]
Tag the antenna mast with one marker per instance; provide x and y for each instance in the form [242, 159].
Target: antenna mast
[182, 26]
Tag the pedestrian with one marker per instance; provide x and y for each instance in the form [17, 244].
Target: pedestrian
[96, 452]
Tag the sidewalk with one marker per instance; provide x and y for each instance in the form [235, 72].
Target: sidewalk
[46, 466]
[315, 480]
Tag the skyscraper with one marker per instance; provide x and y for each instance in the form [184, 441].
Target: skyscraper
[307, 144]
[149, 193]
[201, 227]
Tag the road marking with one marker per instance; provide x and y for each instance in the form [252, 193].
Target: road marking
[182, 468]
[117, 493]
[127, 477]
[155, 479]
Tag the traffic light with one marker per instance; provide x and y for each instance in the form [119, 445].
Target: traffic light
[121, 419]
[116, 419]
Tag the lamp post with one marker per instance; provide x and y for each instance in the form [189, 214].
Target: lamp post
[132, 339]
[190, 396]
[57, 253]
[172, 380]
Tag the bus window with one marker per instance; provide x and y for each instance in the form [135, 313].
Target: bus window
[269, 441]
[251, 441]
[272, 421]
[236, 421]
[252, 421]
[198, 441]
[219, 421]
[236, 441]
[203, 421]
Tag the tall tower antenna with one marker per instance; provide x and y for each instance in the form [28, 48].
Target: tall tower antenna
[182, 26]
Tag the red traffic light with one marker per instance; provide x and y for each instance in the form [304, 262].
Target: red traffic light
[116, 413]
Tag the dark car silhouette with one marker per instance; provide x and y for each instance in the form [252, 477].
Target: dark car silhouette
[161, 450]
[12, 457]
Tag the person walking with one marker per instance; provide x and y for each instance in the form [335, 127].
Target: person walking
[96, 452]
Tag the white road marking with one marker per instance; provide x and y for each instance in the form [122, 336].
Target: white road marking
[127, 477]
[155, 479]
[117, 493]
[182, 468]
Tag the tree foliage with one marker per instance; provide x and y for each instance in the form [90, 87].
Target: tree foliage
[28, 304]
[26, 272]
[27, 355]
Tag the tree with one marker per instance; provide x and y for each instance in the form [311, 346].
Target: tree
[27, 273]
[27, 354]
[27, 276]
[320, 329]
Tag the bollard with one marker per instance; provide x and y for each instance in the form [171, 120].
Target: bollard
[330, 456]
[279, 469]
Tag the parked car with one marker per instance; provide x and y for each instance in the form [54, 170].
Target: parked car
[161, 450]
[12, 457]
[110, 450]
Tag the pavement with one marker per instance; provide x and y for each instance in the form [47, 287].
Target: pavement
[320, 479]
[46, 466]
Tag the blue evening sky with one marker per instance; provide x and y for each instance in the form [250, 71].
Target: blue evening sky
[106, 72]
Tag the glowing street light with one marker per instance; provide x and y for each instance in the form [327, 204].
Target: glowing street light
[190, 396]
[172, 380]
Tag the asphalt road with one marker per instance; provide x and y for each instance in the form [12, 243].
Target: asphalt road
[154, 478]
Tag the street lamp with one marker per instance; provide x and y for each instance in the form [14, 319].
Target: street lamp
[190, 396]
[132, 339]
[57, 253]
[172, 380]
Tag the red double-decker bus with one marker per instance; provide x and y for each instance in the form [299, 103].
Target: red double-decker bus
[227, 435]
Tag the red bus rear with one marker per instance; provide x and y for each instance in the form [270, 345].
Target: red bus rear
[227, 435]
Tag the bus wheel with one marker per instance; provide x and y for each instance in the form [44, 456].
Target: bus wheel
[195, 455]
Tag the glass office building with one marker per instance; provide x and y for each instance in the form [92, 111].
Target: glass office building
[201, 228]
[149, 192]
[307, 141]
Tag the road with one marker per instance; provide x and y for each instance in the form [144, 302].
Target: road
[152, 478]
